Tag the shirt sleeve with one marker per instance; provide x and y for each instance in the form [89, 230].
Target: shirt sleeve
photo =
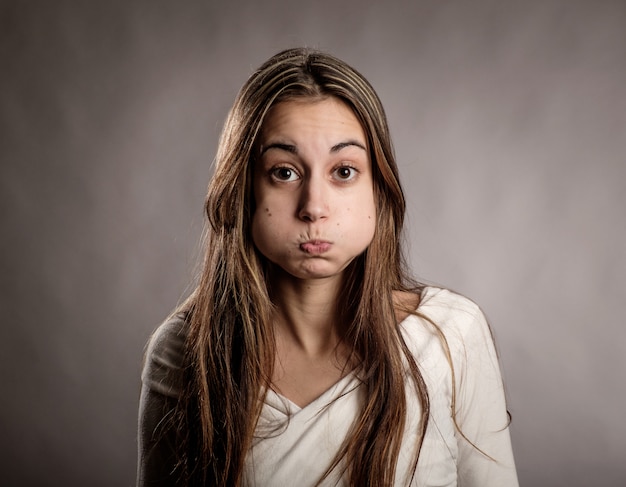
[485, 453]
[161, 387]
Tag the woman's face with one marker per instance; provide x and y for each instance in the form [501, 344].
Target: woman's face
[313, 187]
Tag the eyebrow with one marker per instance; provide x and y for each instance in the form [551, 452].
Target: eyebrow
[294, 149]
[347, 143]
[278, 145]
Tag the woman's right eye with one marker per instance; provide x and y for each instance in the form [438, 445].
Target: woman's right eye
[284, 174]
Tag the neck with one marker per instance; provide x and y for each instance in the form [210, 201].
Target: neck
[307, 313]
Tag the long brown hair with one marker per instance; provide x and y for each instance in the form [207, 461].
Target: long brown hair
[230, 345]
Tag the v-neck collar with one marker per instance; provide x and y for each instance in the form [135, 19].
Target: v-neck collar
[287, 407]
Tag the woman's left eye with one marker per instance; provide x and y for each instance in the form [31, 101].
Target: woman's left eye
[345, 173]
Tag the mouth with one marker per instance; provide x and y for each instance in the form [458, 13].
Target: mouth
[315, 247]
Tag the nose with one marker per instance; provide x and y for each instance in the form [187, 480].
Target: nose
[313, 201]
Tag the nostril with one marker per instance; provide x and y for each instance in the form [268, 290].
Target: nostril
[313, 202]
[307, 215]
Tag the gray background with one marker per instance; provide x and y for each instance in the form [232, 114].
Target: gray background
[509, 120]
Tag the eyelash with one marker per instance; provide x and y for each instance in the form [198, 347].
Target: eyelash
[353, 172]
[274, 172]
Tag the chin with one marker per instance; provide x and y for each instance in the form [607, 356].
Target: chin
[317, 269]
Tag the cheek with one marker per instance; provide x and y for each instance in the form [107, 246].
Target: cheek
[361, 220]
[262, 212]
[261, 221]
[370, 218]
[266, 229]
[369, 225]
[368, 209]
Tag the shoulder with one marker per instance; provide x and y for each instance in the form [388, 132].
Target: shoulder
[168, 339]
[165, 354]
[449, 309]
[437, 303]
[444, 313]
[405, 303]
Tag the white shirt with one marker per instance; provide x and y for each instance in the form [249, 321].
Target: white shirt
[295, 446]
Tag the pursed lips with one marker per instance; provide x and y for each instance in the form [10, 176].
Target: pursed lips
[315, 247]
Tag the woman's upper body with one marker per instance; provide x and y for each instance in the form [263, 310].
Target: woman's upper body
[294, 445]
[299, 359]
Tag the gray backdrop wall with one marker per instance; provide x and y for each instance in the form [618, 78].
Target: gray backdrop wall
[509, 120]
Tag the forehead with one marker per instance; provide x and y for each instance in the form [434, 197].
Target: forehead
[300, 117]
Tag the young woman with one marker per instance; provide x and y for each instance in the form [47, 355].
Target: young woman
[305, 356]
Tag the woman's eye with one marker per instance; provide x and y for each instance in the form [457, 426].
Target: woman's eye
[284, 174]
[345, 173]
